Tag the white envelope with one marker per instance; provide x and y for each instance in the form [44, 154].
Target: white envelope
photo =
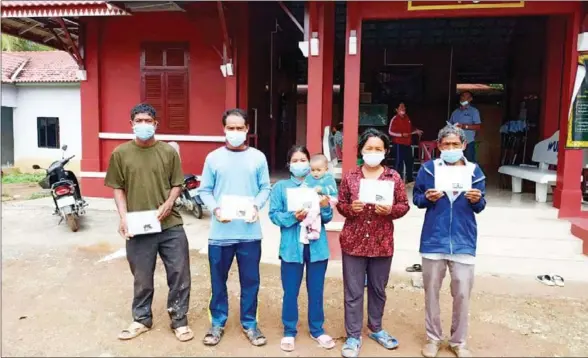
[373, 191]
[301, 198]
[143, 222]
[452, 178]
[237, 207]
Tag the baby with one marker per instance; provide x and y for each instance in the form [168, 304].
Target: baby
[324, 184]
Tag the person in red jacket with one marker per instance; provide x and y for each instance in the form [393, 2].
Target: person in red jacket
[401, 131]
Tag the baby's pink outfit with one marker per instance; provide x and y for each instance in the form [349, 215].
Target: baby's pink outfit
[310, 227]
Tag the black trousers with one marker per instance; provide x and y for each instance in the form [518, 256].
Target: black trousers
[172, 246]
[355, 269]
[404, 158]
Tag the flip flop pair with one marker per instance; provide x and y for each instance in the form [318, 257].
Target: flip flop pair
[551, 280]
[414, 268]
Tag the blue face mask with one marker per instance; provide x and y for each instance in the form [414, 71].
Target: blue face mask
[452, 156]
[144, 131]
[300, 169]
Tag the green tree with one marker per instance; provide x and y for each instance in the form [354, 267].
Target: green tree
[12, 43]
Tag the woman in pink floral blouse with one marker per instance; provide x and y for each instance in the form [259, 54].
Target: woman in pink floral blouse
[367, 242]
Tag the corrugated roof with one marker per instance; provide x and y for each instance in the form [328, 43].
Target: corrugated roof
[8, 3]
[23, 9]
[39, 67]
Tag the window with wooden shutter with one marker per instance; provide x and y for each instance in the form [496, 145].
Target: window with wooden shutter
[165, 85]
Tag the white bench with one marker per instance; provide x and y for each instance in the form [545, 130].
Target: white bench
[542, 177]
[544, 153]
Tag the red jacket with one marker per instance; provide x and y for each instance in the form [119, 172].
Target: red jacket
[399, 125]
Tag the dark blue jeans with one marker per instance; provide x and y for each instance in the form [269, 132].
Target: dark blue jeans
[404, 158]
[220, 259]
[315, 285]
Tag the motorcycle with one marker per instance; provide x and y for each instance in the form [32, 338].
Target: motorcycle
[65, 190]
[189, 198]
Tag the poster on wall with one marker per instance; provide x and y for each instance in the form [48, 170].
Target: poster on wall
[578, 116]
[462, 5]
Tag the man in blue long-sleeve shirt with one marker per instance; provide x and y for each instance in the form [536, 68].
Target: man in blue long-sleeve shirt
[236, 170]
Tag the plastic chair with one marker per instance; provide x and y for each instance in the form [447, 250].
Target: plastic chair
[428, 150]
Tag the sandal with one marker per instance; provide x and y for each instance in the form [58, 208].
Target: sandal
[325, 341]
[184, 334]
[384, 339]
[351, 348]
[213, 336]
[287, 344]
[558, 280]
[255, 336]
[545, 279]
[414, 268]
[134, 330]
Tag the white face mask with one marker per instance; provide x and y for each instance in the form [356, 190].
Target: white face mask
[373, 159]
[235, 138]
[464, 103]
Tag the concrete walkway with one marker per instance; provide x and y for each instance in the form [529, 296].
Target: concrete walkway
[517, 236]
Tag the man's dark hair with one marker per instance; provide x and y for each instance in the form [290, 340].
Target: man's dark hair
[464, 92]
[143, 108]
[370, 133]
[339, 126]
[297, 149]
[235, 112]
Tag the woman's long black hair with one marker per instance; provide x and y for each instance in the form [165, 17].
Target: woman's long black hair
[296, 149]
[370, 133]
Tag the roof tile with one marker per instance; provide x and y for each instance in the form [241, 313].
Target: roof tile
[42, 66]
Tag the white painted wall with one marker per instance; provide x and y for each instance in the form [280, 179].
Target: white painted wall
[9, 93]
[50, 100]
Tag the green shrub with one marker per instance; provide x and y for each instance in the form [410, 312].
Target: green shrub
[20, 178]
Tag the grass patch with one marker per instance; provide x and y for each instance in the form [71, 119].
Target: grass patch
[39, 195]
[22, 178]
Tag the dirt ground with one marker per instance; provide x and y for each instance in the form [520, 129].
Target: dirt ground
[21, 191]
[65, 303]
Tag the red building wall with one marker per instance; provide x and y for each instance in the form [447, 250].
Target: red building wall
[119, 83]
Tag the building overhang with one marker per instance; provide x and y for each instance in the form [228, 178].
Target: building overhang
[52, 23]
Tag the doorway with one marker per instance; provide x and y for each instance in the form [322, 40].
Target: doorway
[426, 63]
[7, 137]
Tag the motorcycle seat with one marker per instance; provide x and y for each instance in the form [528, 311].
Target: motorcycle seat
[189, 176]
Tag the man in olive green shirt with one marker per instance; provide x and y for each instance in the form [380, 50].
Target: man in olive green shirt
[146, 175]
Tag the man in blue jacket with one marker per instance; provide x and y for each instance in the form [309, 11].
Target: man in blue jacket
[448, 239]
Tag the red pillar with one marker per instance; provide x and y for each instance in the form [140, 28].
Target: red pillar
[314, 108]
[351, 89]
[552, 86]
[231, 89]
[567, 195]
[242, 56]
[90, 99]
[328, 62]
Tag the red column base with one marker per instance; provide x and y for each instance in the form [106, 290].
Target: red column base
[94, 188]
[90, 165]
[571, 198]
[334, 245]
[580, 230]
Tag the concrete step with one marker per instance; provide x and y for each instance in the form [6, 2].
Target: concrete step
[513, 227]
[573, 269]
[512, 246]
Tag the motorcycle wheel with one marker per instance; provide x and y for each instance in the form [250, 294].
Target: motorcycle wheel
[72, 222]
[197, 210]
